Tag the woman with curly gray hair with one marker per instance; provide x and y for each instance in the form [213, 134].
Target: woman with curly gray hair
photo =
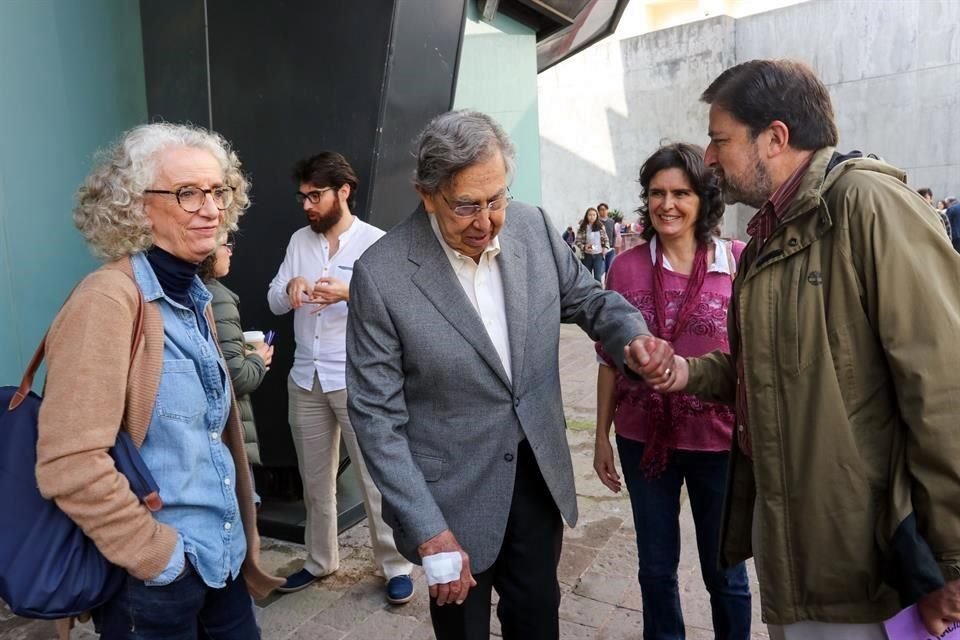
[154, 206]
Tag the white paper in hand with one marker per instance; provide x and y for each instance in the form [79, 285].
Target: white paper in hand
[441, 568]
[593, 241]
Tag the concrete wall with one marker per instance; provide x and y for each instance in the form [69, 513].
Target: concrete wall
[71, 75]
[498, 76]
[603, 111]
[892, 68]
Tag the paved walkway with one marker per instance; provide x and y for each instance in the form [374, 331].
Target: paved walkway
[601, 598]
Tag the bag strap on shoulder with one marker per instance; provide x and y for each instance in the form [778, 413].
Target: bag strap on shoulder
[26, 383]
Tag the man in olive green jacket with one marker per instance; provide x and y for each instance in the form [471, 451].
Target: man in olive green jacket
[845, 476]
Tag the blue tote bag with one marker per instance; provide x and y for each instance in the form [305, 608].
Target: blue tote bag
[48, 567]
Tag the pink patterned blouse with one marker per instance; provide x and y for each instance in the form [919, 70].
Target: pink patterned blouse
[701, 426]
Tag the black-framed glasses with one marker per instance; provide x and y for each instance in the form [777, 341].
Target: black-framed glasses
[191, 199]
[313, 196]
[470, 210]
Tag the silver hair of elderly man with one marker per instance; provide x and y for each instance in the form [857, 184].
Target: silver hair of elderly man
[455, 140]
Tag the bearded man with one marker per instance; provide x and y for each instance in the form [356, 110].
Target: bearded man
[314, 282]
[843, 483]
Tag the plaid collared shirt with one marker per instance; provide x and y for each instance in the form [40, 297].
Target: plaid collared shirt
[771, 213]
[760, 227]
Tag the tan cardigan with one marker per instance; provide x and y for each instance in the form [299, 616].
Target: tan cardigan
[87, 393]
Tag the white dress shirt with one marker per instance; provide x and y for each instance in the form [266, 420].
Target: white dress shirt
[720, 264]
[484, 288]
[321, 337]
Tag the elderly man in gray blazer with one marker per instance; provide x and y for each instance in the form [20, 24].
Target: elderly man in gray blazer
[452, 368]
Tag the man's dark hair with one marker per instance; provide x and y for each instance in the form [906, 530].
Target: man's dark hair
[689, 159]
[760, 91]
[603, 205]
[926, 192]
[327, 169]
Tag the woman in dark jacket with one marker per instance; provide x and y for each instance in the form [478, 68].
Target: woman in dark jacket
[248, 363]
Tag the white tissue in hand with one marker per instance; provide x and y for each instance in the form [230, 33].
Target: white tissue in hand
[442, 568]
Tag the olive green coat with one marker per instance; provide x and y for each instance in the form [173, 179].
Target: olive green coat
[246, 367]
[850, 316]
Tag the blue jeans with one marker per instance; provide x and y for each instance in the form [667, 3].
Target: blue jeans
[595, 264]
[608, 259]
[185, 609]
[656, 515]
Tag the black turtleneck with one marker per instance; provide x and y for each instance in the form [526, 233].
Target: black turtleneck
[175, 274]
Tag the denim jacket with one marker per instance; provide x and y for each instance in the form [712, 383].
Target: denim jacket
[184, 449]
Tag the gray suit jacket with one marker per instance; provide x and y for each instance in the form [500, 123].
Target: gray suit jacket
[437, 419]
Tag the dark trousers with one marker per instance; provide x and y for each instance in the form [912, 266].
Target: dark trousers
[656, 515]
[608, 259]
[524, 573]
[186, 609]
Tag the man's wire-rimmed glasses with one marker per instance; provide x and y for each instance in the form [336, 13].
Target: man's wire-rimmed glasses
[470, 210]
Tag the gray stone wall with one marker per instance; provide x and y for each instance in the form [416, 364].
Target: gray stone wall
[892, 68]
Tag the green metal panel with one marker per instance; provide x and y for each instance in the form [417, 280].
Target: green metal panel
[498, 76]
[71, 76]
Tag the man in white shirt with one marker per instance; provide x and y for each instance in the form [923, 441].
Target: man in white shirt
[314, 282]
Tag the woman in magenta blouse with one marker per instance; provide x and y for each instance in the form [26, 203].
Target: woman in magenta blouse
[681, 281]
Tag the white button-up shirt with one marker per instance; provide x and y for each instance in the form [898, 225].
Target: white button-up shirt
[720, 264]
[484, 288]
[321, 337]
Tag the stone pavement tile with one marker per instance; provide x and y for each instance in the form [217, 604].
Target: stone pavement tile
[581, 404]
[355, 606]
[573, 631]
[756, 622]
[356, 536]
[494, 620]
[696, 611]
[568, 630]
[585, 611]
[632, 598]
[424, 631]
[603, 588]
[382, 624]
[574, 560]
[316, 631]
[698, 633]
[625, 537]
[598, 508]
[617, 559]
[31, 630]
[594, 534]
[624, 624]
[628, 530]
[290, 611]
[281, 558]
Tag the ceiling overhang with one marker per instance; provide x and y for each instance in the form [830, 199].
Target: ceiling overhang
[563, 27]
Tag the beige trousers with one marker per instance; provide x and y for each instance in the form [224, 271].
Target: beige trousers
[317, 420]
